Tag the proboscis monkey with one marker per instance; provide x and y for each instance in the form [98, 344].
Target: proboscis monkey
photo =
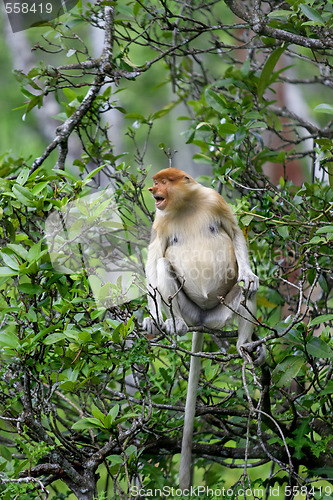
[197, 255]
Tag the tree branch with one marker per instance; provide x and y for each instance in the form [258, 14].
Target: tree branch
[260, 27]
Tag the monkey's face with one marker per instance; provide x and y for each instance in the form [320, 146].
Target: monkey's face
[171, 189]
[160, 192]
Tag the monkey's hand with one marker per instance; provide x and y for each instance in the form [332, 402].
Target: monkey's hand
[175, 326]
[258, 353]
[250, 282]
[151, 327]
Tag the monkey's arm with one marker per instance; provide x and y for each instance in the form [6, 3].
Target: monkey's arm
[245, 274]
[151, 323]
[162, 287]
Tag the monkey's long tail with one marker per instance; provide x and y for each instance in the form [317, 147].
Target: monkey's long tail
[191, 398]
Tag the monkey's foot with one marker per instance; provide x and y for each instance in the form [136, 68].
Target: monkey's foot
[175, 326]
[250, 283]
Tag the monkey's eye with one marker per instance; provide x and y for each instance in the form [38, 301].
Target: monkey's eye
[163, 181]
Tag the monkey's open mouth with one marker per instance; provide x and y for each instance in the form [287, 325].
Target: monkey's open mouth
[158, 200]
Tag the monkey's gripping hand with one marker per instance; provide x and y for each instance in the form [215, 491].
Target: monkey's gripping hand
[176, 326]
[250, 282]
[258, 353]
[151, 326]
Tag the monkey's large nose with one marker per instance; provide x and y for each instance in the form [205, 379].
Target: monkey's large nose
[150, 189]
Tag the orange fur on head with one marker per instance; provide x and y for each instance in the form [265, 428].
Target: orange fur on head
[172, 174]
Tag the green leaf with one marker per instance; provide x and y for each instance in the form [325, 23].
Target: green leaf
[31, 315]
[27, 94]
[3, 462]
[66, 174]
[30, 288]
[204, 127]
[324, 108]
[116, 333]
[23, 195]
[23, 176]
[319, 349]
[247, 219]
[284, 14]
[6, 272]
[300, 438]
[330, 174]
[136, 116]
[164, 111]
[86, 423]
[124, 10]
[97, 312]
[102, 207]
[9, 339]
[39, 187]
[215, 101]
[35, 252]
[283, 231]
[312, 14]
[125, 418]
[54, 338]
[36, 101]
[200, 158]
[131, 450]
[227, 128]
[115, 459]
[128, 327]
[287, 370]
[321, 319]
[10, 259]
[114, 412]
[325, 229]
[315, 240]
[20, 250]
[97, 413]
[328, 389]
[240, 136]
[91, 174]
[266, 75]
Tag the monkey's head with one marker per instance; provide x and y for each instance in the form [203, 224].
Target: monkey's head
[172, 188]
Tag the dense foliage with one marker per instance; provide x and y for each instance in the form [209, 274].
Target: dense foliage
[91, 406]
